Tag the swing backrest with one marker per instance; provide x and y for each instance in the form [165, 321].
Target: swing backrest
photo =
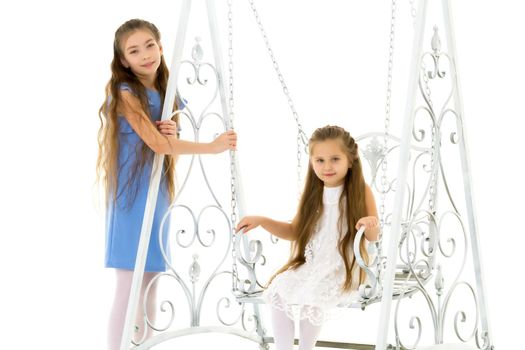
[415, 261]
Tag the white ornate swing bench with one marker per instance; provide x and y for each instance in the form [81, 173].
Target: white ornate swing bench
[410, 275]
[418, 233]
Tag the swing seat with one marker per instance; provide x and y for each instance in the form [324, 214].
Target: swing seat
[407, 279]
[403, 288]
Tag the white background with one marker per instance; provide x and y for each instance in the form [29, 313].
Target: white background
[54, 60]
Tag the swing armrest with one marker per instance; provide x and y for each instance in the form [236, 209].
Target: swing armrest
[369, 288]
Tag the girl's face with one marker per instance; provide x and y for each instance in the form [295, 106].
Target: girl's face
[329, 162]
[142, 54]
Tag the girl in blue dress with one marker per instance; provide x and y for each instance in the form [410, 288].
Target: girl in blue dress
[130, 134]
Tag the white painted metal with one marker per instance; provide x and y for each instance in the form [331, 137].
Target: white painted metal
[396, 225]
[239, 194]
[219, 66]
[153, 190]
[388, 277]
[467, 178]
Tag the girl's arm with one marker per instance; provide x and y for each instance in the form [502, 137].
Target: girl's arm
[370, 221]
[283, 230]
[168, 144]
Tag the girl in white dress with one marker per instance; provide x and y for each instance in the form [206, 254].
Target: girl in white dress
[321, 271]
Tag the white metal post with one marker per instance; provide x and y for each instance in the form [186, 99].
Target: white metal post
[467, 179]
[388, 277]
[219, 66]
[153, 190]
[239, 194]
[217, 54]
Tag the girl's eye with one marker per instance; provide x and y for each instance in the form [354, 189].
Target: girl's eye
[335, 159]
[319, 160]
[133, 52]
[151, 44]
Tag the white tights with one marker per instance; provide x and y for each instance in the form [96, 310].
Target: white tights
[120, 305]
[283, 332]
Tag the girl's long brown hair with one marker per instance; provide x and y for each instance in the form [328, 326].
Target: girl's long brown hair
[108, 140]
[351, 206]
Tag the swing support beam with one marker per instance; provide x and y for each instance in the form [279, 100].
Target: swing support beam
[467, 179]
[138, 274]
[153, 190]
[388, 277]
[395, 233]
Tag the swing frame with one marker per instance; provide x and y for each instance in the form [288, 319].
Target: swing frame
[391, 279]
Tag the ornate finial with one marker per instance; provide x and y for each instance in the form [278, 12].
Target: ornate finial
[374, 153]
[195, 269]
[440, 281]
[196, 52]
[436, 42]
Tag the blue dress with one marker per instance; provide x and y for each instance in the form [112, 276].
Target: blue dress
[124, 216]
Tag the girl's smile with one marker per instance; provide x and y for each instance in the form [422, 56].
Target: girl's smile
[148, 65]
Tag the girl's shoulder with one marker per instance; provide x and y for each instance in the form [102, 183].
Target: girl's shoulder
[153, 96]
[150, 94]
[122, 87]
[125, 87]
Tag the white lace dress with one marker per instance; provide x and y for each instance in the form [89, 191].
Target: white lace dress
[315, 287]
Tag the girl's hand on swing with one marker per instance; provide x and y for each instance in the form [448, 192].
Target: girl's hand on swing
[167, 127]
[369, 222]
[248, 223]
[225, 141]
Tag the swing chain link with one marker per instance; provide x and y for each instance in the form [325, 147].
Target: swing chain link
[433, 177]
[230, 62]
[413, 10]
[233, 216]
[427, 92]
[413, 13]
[302, 140]
[384, 163]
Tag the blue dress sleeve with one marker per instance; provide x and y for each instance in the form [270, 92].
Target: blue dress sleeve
[125, 87]
[124, 127]
[181, 102]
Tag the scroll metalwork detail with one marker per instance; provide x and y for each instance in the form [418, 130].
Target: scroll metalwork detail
[445, 237]
[192, 229]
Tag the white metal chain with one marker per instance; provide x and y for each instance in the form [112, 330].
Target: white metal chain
[230, 61]
[233, 216]
[301, 136]
[384, 163]
[413, 10]
[427, 92]
[413, 13]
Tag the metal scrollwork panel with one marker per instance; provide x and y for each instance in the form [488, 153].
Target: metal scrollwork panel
[196, 230]
[373, 154]
[435, 245]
